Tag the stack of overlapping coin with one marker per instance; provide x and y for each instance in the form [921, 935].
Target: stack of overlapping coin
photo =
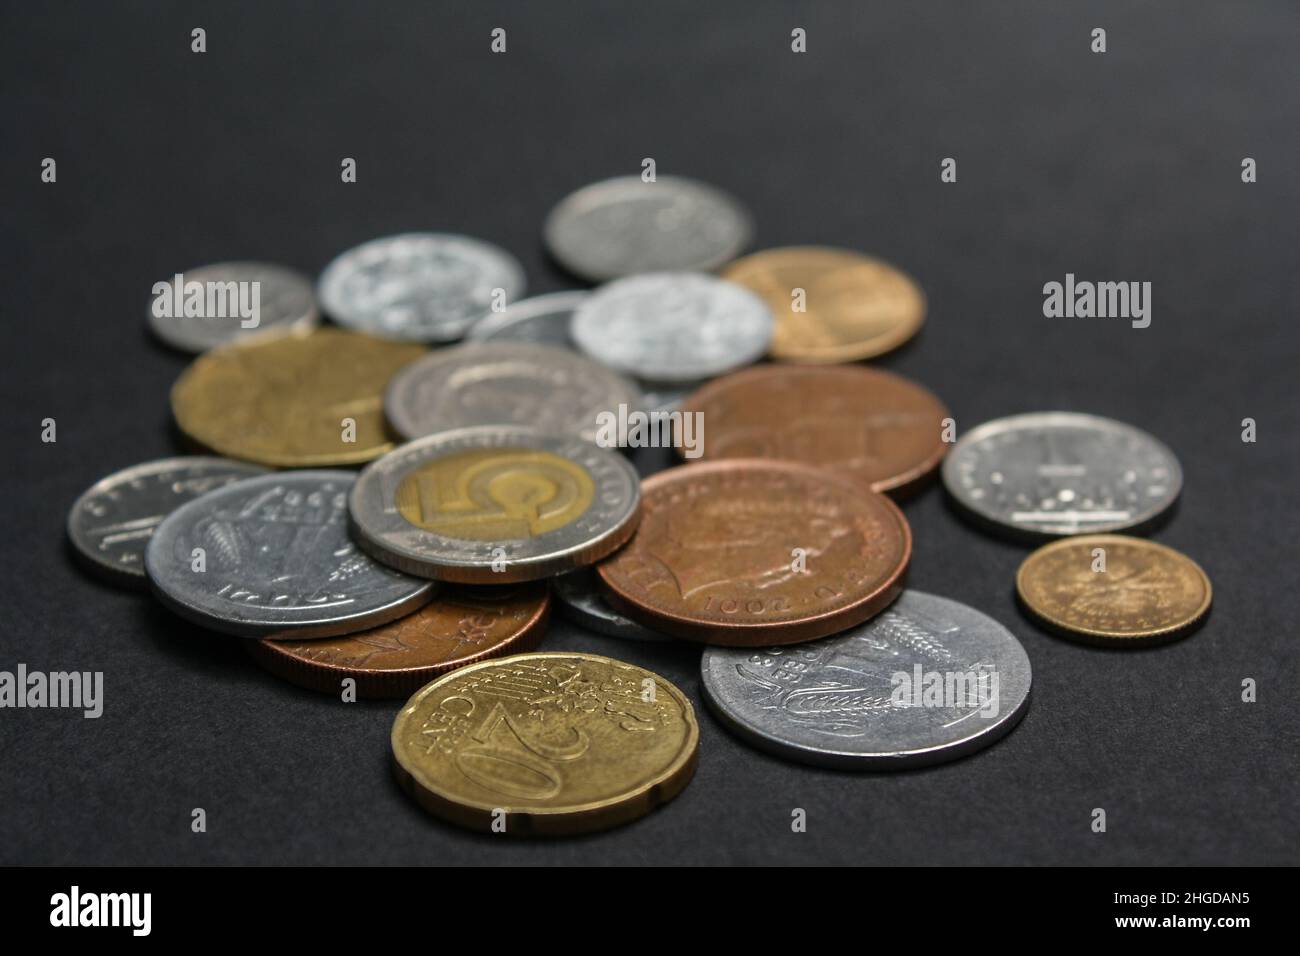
[490, 490]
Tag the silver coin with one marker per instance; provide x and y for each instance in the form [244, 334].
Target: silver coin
[673, 326]
[505, 383]
[276, 558]
[624, 226]
[542, 505]
[111, 523]
[541, 320]
[418, 287]
[925, 681]
[580, 601]
[1061, 473]
[283, 300]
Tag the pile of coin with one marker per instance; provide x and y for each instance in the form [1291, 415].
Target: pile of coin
[487, 494]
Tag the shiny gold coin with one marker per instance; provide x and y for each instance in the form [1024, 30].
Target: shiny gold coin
[853, 307]
[296, 400]
[1113, 589]
[539, 744]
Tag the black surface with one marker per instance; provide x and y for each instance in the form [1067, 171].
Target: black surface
[1122, 166]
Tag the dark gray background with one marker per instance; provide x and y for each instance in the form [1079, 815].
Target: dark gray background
[1122, 166]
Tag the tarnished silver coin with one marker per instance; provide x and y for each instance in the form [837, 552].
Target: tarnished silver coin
[1061, 473]
[624, 226]
[505, 383]
[419, 286]
[926, 681]
[111, 523]
[494, 505]
[581, 602]
[541, 320]
[673, 326]
[272, 554]
[216, 304]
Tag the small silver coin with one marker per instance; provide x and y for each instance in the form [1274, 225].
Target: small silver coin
[926, 681]
[496, 505]
[239, 299]
[275, 557]
[624, 226]
[551, 389]
[581, 602]
[418, 287]
[541, 320]
[1061, 473]
[111, 523]
[673, 326]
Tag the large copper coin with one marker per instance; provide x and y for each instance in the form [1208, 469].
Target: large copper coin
[831, 305]
[462, 625]
[752, 553]
[1114, 590]
[874, 426]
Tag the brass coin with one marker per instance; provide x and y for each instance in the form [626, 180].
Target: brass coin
[461, 626]
[545, 744]
[853, 306]
[286, 400]
[1147, 594]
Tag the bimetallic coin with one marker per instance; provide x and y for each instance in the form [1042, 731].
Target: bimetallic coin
[271, 555]
[1061, 473]
[494, 505]
[673, 326]
[623, 226]
[111, 523]
[751, 552]
[581, 602]
[461, 626]
[1114, 590]
[541, 320]
[874, 426]
[238, 300]
[852, 306]
[545, 743]
[505, 383]
[418, 287]
[929, 680]
[294, 400]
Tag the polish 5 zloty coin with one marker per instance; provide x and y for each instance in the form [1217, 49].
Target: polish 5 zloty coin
[545, 744]
[1061, 473]
[624, 226]
[418, 287]
[929, 680]
[494, 505]
[551, 389]
[111, 523]
[673, 326]
[541, 320]
[272, 555]
[582, 603]
[239, 299]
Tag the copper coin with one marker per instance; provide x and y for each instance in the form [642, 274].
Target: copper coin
[831, 305]
[462, 625]
[874, 426]
[752, 552]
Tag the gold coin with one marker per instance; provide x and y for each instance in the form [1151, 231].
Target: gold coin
[297, 400]
[1113, 589]
[831, 305]
[540, 744]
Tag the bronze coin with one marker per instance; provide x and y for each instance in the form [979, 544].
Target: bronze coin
[753, 552]
[462, 625]
[874, 426]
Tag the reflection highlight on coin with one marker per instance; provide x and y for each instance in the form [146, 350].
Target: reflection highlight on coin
[927, 681]
[545, 744]
[1114, 590]
[494, 505]
[460, 626]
